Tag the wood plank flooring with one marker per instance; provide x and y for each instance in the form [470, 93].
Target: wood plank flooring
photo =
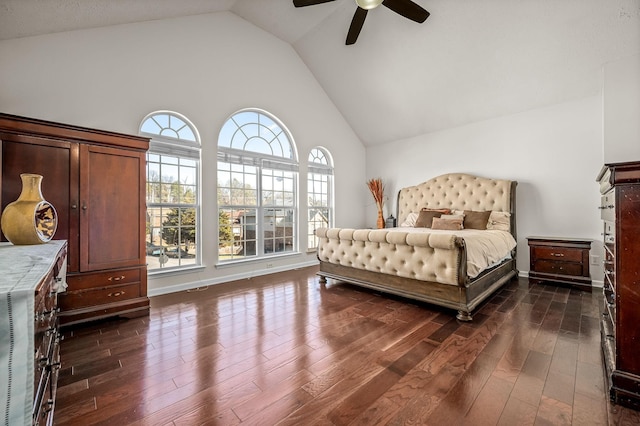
[285, 350]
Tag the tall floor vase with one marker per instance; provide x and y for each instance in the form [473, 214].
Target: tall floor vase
[30, 219]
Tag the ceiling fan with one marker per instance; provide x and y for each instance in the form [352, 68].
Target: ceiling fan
[406, 8]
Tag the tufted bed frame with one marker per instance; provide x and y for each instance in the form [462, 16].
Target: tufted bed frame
[429, 267]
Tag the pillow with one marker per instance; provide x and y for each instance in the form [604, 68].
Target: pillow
[449, 224]
[476, 220]
[426, 216]
[410, 221]
[452, 216]
[499, 221]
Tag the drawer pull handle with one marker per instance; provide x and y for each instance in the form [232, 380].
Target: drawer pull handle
[116, 294]
[608, 206]
[121, 277]
[557, 254]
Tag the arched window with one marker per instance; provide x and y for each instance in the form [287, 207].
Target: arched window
[320, 194]
[257, 187]
[173, 204]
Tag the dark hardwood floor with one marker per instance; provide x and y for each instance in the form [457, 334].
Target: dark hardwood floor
[283, 349]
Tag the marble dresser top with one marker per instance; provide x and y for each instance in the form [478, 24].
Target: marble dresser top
[23, 267]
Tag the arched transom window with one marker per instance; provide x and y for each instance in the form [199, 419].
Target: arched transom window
[257, 187]
[320, 194]
[173, 205]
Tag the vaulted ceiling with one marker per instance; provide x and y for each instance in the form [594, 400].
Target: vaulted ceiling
[471, 60]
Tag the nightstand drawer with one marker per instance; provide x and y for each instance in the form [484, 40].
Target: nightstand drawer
[560, 268]
[557, 253]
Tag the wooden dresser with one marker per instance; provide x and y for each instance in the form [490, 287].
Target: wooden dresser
[620, 326]
[563, 260]
[31, 278]
[96, 181]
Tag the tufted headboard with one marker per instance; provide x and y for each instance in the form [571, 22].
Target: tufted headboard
[459, 191]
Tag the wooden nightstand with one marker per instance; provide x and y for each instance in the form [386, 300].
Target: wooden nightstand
[562, 260]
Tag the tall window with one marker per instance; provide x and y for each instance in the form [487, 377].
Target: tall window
[320, 194]
[257, 187]
[173, 161]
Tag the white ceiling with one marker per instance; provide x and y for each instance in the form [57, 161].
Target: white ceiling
[471, 60]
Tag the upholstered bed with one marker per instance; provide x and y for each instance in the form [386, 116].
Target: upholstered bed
[457, 269]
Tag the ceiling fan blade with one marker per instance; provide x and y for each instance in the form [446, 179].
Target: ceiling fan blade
[356, 25]
[302, 3]
[408, 9]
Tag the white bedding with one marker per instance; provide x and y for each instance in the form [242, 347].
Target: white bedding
[485, 248]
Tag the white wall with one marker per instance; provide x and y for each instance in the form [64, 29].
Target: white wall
[621, 110]
[205, 67]
[554, 153]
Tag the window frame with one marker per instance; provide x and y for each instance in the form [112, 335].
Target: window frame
[187, 150]
[261, 162]
[319, 168]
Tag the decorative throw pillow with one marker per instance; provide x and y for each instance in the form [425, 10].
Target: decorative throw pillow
[453, 216]
[476, 220]
[425, 217]
[454, 224]
[499, 221]
[410, 221]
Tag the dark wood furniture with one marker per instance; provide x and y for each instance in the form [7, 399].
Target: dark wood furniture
[561, 260]
[96, 181]
[620, 326]
[31, 275]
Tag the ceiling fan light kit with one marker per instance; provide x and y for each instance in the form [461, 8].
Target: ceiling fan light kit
[368, 4]
[406, 8]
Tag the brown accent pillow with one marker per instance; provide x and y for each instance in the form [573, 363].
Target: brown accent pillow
[476, 220]
[425, 217]
[449, 224]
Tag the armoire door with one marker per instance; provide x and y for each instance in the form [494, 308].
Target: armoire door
[112, 208]
[56, 160]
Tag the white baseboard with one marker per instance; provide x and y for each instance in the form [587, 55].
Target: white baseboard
[219, 280]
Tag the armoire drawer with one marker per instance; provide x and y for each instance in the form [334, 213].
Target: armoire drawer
[104, 295]
[103, 279]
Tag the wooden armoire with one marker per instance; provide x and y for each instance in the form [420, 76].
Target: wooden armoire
[95, 179]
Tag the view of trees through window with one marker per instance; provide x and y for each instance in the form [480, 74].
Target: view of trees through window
[171, 214]
[172, 191]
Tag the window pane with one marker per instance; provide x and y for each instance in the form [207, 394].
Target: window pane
[187, 175]
[245, 117]
[278, 230]
[318, 189]
[237, 233]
